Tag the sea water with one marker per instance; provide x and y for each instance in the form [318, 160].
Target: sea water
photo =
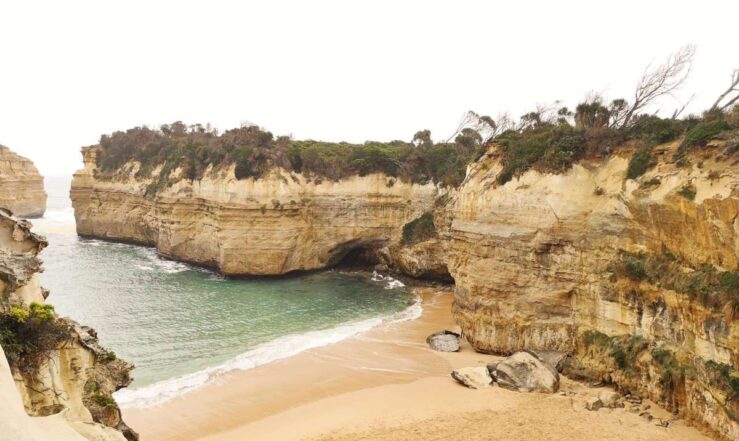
[183, 326]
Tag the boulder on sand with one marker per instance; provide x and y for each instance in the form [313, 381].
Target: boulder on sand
[554, 359]
[524, 372]
[473, 377]
[444, 341]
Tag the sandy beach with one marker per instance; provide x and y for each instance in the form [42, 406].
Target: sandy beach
[386, 384]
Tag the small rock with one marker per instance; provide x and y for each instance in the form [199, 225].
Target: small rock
[633, 400]
[610, 399]
[443, 341]
[647, 416]
[381, 268]
[646, 407]
[473, 377]
[593, 403]
[662, 423]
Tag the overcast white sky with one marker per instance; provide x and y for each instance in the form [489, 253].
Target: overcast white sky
[334, 70]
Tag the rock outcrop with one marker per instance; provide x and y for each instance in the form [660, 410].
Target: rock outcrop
[280, 223]
[21, 185]
[73, 380]
[538, 264]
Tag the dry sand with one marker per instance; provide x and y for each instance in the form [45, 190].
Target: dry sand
[386, 384]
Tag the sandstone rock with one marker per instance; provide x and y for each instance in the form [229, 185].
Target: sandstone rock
[444, 341]
[473, 377]
[21, 185]
[62, 384]
[593, 404]
[524, 372]
[279, 223]
[610, 399]
[646, 416]
[529, 262]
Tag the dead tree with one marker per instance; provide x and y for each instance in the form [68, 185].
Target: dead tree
[733, 88]
[485, 126]
[663, 80]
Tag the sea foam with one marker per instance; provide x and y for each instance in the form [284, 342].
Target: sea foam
[283, 347]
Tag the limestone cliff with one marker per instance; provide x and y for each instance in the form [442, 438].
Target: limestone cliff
[21, 185]
[280, 223]
[634, 279]
[75, 378]
[562, 262]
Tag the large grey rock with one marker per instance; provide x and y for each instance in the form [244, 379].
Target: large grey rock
[444, 341]
[473, 377]
[524, 372]
[554, 359]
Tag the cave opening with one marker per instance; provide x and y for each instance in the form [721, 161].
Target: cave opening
[357, 255]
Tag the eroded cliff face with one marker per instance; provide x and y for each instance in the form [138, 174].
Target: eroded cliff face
[536, 262]
[75, 379]
[544, 262]
[280, 223]
[21, 185]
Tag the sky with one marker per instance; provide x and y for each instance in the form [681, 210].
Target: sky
[332, 70]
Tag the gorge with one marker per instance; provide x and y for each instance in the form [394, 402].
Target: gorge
[634, 277]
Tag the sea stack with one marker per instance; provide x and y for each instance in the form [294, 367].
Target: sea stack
[21, 185]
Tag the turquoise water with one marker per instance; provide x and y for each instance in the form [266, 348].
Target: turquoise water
[183, 326]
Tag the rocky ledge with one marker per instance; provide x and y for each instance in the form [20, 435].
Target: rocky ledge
[57, 365]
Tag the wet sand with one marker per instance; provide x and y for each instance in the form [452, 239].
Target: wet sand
[386, 384]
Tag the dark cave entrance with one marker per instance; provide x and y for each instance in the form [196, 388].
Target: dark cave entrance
[357, 255]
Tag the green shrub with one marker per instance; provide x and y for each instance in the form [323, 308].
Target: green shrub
[653, 130]
[102, 400]
[642, 161]
[596, 338]
[701, 133]
[704, 131]
[715, 290]
[625, 351]
[688, 191]
[635, 268]
[547, 148]
[28, 335]
[420, 229]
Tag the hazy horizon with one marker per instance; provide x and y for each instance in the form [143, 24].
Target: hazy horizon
[377, 70]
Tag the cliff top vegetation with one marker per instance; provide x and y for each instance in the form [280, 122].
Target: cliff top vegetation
[548, 139]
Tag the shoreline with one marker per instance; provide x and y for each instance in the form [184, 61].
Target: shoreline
[386, 384]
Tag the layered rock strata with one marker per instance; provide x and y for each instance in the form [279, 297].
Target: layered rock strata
[280, 223]
[535, 264]
[21, 185]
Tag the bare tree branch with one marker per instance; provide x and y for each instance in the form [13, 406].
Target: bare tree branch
[734, 87]
[677, 112]
[663, 80]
